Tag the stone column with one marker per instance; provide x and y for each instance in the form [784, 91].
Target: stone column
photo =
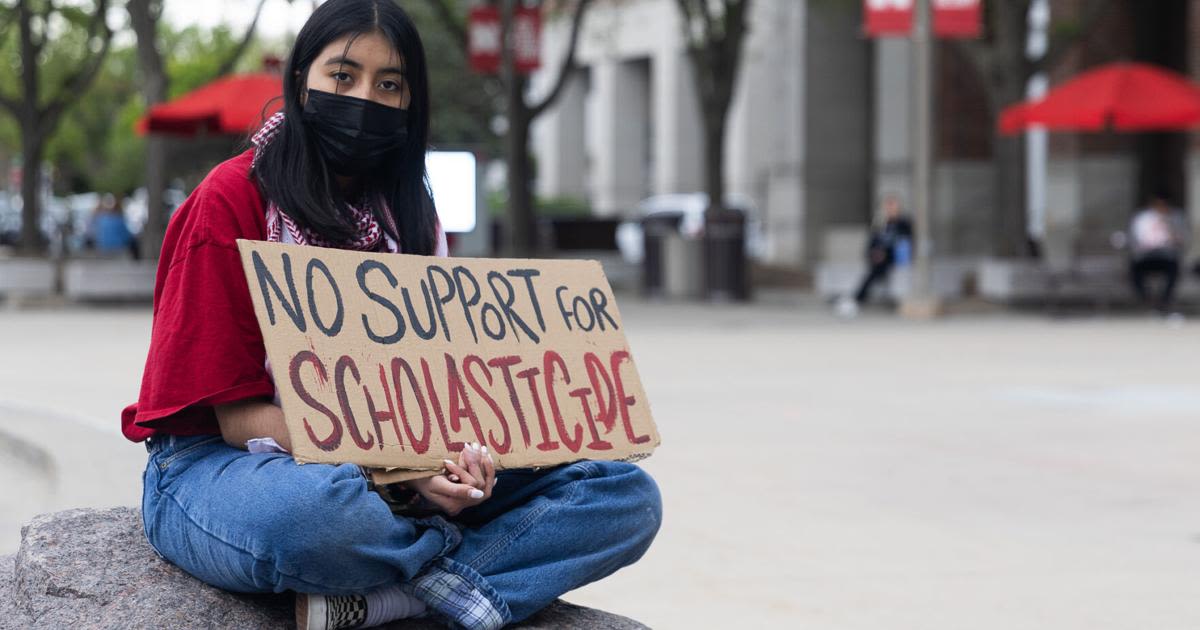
[560, 146]
[1064, 196]
[619, 104]
[766, 148]
[893, 107]
[837, 123]
[678, 134]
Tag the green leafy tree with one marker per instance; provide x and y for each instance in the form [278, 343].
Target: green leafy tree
[95, 147]
[465, 103]
[158, 80]
[519, 110]
[56, 66]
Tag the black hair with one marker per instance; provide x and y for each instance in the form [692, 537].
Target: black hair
[290, 169]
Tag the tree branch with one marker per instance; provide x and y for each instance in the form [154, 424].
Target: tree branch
[981, 56]
[77, 82]
[29, 39]
[731, 48]
[11, 104]
[568, 66]
[227, 66]
[8, 17]
[144, 17]
[688, 20]
[450, 21]
[1061, 45]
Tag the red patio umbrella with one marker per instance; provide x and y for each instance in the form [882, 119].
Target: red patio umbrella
[1123, 96]
[234, 104]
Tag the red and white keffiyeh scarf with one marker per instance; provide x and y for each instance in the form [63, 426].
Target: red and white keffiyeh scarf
[370, 235]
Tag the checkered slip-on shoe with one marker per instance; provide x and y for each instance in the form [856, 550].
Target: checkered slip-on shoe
[330, 612]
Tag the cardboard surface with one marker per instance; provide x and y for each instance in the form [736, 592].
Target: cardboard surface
[394, 361]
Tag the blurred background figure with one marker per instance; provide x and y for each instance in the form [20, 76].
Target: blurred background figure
[1158, 238]
[108, 232]
[890, 244]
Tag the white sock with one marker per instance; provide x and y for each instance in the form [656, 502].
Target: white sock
[390, 603]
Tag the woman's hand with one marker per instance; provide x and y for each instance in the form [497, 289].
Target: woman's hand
[465, 484]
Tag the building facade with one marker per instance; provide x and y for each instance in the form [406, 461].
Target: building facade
[820, 126]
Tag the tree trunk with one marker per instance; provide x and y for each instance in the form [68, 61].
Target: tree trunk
[144, 16]
[32, 242]
[38, 110]
[31, 140]
[714, 161]
[522, 228]
[1009, 80]
[1010, 221]
[155, 228]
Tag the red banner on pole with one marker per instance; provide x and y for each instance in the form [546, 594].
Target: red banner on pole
[951, 18]
[888, 18]
[957, 19]
[527, 39]
[485, 39]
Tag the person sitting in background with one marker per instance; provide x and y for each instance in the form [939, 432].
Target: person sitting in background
[109, 232]
[890, 244]
[1158, 240]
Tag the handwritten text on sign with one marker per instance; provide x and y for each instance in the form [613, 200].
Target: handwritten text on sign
[396, 361]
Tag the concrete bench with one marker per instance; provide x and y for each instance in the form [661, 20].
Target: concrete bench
[950, 278]
[109, 279]
[1102, 279]
[94, 569]
[26, 277]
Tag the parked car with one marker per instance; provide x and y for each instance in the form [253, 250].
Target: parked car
[135, 206]
[54, 212]
[65, 221]
[687, 210]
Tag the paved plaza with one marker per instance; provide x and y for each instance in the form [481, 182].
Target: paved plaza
[988, 470]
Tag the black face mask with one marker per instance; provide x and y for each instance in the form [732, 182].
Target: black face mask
[354, 134]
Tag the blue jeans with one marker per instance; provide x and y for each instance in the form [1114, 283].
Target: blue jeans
[259, 523]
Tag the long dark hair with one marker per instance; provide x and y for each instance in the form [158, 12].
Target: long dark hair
[293, 174]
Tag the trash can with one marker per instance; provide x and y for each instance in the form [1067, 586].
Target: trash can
[727, 272]
[655, 230]
[684, 266]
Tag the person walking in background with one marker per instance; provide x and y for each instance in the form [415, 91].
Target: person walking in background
[890, 244]
[1158, 239]
[108, 231]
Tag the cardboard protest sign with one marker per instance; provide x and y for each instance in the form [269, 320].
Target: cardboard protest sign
[395, 361]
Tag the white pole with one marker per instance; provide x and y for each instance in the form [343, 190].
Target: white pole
[921, 303]
[1036, 139]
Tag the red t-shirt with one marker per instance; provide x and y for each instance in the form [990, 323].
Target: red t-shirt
[205, 346]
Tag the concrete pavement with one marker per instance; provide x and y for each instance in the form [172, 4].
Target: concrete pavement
[984, 471]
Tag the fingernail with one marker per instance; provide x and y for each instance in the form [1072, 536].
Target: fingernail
[485, 450]
[475, 493]
[449, 462]
[454, 478]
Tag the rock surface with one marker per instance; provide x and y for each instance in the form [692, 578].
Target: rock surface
[94, 569]
[10, 617]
